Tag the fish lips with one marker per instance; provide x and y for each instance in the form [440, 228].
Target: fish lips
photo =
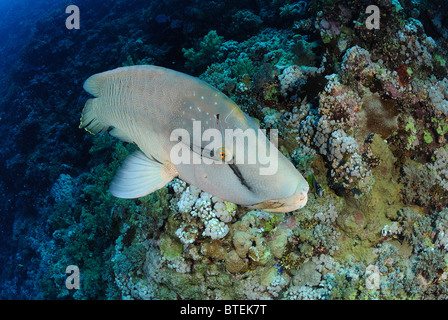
[294, 202]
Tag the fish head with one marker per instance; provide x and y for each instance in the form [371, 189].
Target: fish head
[293, 199]
[284, 190]
[247, 174]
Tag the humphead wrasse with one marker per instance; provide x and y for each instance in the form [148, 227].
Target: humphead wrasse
[146, 105]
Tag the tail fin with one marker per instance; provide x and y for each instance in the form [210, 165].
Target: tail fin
[93, 84]
[89, 117]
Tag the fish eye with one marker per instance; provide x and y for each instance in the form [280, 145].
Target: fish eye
[224, 154]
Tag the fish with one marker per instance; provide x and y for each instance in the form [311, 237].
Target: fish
[312, 182]
[146, 104]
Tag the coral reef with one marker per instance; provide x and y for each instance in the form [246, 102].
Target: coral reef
[363, 112]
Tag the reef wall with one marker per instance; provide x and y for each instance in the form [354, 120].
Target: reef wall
[365, 110]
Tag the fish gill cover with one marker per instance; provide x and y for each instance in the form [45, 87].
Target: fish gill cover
[357, 91]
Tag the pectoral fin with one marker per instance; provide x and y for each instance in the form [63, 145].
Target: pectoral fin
[140, 176]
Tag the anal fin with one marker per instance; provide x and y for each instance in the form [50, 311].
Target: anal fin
[140, 176]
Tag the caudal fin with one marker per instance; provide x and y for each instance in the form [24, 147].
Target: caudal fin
[89, 118]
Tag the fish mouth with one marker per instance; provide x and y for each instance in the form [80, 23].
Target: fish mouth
[294, 202]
